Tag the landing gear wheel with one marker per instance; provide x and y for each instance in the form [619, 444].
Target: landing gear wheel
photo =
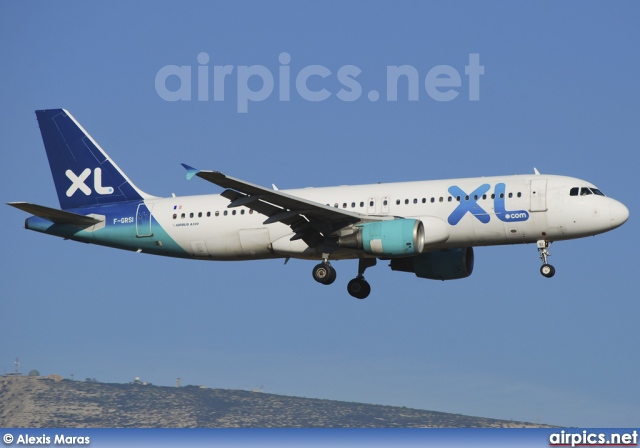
[359, 288]
[547, 270]
[543, 248]
[324, 273]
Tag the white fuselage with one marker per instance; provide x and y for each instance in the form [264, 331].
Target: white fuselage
[544, 210]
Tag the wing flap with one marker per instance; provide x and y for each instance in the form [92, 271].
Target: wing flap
[54, 215]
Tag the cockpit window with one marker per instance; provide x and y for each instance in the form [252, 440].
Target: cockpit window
[584, 191]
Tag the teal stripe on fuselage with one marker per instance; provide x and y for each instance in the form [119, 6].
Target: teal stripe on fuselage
[119, 231]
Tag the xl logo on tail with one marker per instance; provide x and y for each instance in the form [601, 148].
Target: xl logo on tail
[78, 182]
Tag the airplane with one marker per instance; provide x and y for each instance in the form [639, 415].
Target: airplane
[428, 228]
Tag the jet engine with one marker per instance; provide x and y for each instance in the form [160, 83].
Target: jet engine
[445, 264]
[392, 238]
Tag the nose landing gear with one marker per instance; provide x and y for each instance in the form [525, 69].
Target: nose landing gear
[546, 269]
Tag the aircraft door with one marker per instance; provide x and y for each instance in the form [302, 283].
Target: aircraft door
[538, 195]
[143, 220]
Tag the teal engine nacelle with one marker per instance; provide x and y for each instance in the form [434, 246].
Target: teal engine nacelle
[445, 264]
[392, 238]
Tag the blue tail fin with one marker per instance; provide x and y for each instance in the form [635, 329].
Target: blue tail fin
[83, 173]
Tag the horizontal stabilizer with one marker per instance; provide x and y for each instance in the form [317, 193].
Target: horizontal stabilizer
[54, 215]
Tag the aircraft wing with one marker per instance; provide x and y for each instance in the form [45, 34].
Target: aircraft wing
[308, 219]
[54, 215]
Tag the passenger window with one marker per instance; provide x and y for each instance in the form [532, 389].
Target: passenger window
[208, 214]
[199, 214]
[510, 195]
[353, 204]
[406, 201]
[182, 216]
[424, 200]
[175, 216]
[493, 195]
[501, 195]
[397, 201]
[371, 203]
[433, 200]
[344, 205]
[519, 194]
[335, 205]
[226, 212]
[190, 215]
[217, 213]
[242, 212]
[362, 204]
[475, 197]
[233, 212]
[484, 196]
[415, 201]
[251, 211]
[574, 191]
[466, 198]
[442, 198]
[457, 198]
[450, 199]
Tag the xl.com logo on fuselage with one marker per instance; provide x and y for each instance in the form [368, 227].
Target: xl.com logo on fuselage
[468, 203]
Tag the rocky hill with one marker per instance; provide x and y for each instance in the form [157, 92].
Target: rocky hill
[38, 402]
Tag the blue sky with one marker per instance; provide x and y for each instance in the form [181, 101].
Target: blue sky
[559, 92]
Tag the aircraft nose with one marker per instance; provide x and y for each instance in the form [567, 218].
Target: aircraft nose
[618, 214]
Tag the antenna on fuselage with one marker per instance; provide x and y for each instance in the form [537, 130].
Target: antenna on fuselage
[535, 170]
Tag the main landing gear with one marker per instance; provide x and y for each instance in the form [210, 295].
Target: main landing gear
[546, 269]
[324, 273]
[358, 287]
